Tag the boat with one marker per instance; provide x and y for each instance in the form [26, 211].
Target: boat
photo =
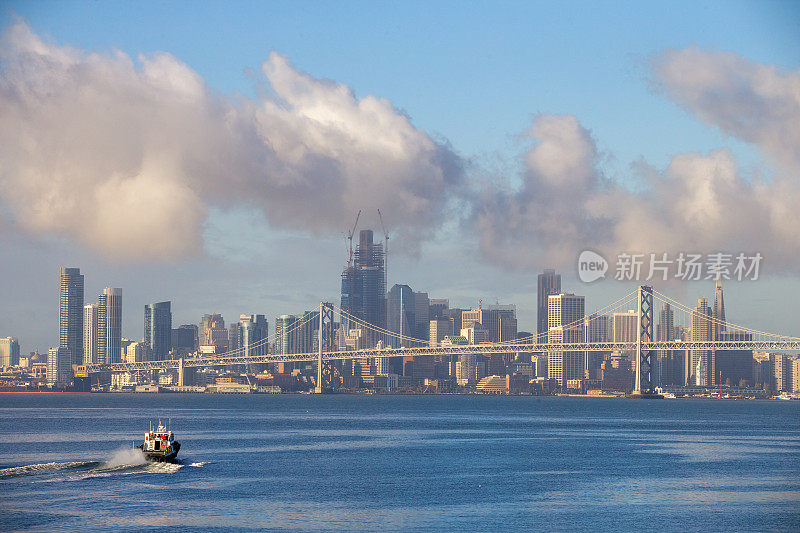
[159, 445]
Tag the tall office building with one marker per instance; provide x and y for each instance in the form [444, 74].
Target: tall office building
[9, 352]
[109, 326]
[212, 332]
[548, 283]
[90, 333]
[733, 366]
[438, 308]
[500, 321]
[595, 329]
[363, 292]
[625, 328]
[439, 329]
[184, 339]
[702, 330]
[285, 342]
[253, 333]
[158, 329]
[421, 315]
[565, 313]
[70, 313]
[668, 362]
[402, 316]
[719, 310]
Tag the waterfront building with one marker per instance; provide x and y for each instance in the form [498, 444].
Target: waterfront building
[492, 385]
[565, 322]
[796, 374]
[9, 352]
[70, 313]
[90, 333]
[549, 283]
[158, 329]
[702, 330]
[59, 366]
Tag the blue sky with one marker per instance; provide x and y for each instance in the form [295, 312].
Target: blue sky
[470, 74]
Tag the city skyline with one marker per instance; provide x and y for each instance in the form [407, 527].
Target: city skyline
[460, 172]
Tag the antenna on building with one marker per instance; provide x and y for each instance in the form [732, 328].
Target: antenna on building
[350, 240]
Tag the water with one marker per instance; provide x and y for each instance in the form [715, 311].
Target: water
[400, 463]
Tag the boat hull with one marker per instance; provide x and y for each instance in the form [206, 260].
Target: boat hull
[161, 457]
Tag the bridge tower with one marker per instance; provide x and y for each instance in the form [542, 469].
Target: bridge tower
[325, 371]
[645, 358]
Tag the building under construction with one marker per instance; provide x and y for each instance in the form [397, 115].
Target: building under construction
[364, 293]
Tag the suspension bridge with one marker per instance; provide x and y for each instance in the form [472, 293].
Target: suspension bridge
[594, 335]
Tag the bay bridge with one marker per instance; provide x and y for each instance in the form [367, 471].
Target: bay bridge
[644, 345]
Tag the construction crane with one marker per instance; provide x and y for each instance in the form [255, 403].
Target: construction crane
[350, 240]
[385, 262]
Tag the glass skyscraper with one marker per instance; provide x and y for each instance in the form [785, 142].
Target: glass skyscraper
[70, 314]
[158, 328]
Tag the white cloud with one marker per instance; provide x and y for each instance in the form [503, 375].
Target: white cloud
[128, 156]
[752, 101]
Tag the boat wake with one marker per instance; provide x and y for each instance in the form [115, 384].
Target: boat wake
[122, 462]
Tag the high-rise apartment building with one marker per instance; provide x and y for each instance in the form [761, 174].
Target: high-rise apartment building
[90, 333]
[158, 329]
[70, 313]
[549, 283]
[59, 366]
[363, 293]
[702, 330]
[9, 352]
[565, 314]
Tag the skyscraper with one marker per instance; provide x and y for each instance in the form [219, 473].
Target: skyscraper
[90, 333]
[109, 326]
[565, 320]
[59, 366]
[363, 293]
[719, 310]
[402, 319]
[9, 352]
[70, 314]
[668, 362]
[701, 330]
[548, 283]
[253, 334]
[158, 329]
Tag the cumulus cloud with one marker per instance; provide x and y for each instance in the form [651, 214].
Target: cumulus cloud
[699, 203]
[752, 101]
[128, 155]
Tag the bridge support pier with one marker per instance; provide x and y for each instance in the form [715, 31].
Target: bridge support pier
[645, 357]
